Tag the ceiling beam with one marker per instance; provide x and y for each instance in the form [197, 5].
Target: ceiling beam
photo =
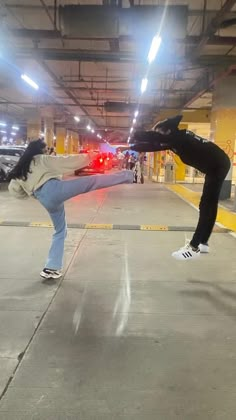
[37, 7]
[52, 54]
[201, 86]
[45, 7]
[204, 84]
[59, 82]
[214, 25]
[38, 34]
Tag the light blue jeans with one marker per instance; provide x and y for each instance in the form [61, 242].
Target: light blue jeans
[52, 196]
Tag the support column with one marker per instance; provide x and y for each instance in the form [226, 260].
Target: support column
[155, 167]
[60, 140]
[49, 131]
[223, 124]
[33, 124]
[47, 114]
[179, 165]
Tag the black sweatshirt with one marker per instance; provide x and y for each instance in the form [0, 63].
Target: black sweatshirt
[193, 150]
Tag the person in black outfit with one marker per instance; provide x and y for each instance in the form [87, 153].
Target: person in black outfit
[204, 156]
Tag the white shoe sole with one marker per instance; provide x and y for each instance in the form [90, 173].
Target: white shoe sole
[50, 276]
[204, 249]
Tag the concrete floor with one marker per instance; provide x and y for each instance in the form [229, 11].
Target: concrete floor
[130, 333]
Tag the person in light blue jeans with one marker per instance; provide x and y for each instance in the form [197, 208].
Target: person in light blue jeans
[52, 196]
[39, 175]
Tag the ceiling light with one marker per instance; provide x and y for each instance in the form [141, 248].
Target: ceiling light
[92, 130]
[88, 127]
[134, 121]
[13, 134]
[2, 131]
[155, 45]
[15, 127]
[144, 85]
[30, 82]
[2, 124]
[54, 137]
[98, 136]
[136, 113]
[77, 119]
[132, 129]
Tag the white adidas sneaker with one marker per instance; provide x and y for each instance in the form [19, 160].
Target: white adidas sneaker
[186, 253]
[204, 248]
[47, 273]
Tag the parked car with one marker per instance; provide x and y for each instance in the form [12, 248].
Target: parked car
[97, 165]
[107, 157]
[9, 157]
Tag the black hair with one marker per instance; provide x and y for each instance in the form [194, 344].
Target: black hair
[169, 124]
[22, 168]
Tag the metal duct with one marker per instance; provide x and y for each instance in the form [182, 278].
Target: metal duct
[113, 22]
[124, 107]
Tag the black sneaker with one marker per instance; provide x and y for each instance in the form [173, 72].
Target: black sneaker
[47, 273]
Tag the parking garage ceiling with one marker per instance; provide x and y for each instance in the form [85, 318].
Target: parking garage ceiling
[89, 57]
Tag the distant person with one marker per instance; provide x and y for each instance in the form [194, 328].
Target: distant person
[132, 161]
[39, 174]
[120, 158]
[52, 151]
[201, 154]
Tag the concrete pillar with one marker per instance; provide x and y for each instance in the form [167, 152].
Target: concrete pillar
[33, 124]
[179, 165]
[75, 143]
[47, 114]
[60, 140]
[49, 131]
[155, 167]
[223, 124]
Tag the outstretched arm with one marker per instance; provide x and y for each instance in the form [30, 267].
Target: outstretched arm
[149, 141]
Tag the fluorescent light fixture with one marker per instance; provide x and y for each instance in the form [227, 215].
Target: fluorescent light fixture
[134, 121]
[88, 127]
[13, 134]
[132, 129]
[54, 137]
[77, 119]
[3, 131]
[92, 130]
[136, 113]
[144, 85]
[2, 124]
[30, 82]
[15, 127]
[128, 139]
[98, 135]
[155, 45]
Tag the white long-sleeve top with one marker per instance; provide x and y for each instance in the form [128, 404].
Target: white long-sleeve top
[45, 167]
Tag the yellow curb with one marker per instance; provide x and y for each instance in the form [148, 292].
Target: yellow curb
[41, 224]
[224, 217]
[98, 226]
[153, 227]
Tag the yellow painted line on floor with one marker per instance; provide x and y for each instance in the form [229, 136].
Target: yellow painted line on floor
[225, 217]
[41, 224]
[98, 226]
[153, 227]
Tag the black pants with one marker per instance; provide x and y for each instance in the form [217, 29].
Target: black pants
[209, 203]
